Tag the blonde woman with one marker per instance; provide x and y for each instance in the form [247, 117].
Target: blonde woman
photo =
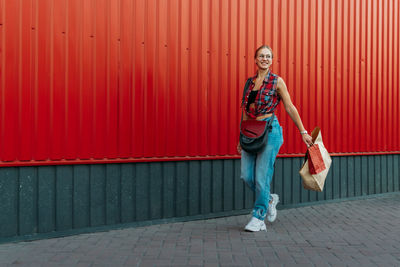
[260, 100]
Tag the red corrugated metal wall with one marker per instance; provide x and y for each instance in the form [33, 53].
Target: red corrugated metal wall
[144, 79]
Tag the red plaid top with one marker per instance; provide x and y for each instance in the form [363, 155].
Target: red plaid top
[267, 98]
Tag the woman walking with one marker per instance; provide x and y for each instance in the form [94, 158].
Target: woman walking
[260, 100]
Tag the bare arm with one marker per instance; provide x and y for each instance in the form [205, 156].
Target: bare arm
[291, 110]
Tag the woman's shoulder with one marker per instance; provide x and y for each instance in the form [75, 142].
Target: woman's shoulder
[275, 76]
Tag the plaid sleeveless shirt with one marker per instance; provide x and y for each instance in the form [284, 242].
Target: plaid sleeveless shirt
[267, 98]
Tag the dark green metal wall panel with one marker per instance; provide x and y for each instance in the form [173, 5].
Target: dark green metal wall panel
[357, 176]
[127, 193]
[371, 175]
[296, 181]
[155, 190]
[343, 177]
[228, 185]
[378, 176]
[46, 199]
[142, 192]
[81, 196]
[335, 170]
[9, 184]
[169, 189]
[206, 187]
[113, 194]
[238, 191]
[390, 173]
[194, 188]
[385, 178]
[27, 200]
[182, 183]
[97, 195]
[350, 177]
[364, 176]
[396, 173]
[217, 186]
[63, 198]
[329, 184]
[286, 185]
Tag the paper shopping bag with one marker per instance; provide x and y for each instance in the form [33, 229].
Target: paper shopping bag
[316, 181]
[315, 161]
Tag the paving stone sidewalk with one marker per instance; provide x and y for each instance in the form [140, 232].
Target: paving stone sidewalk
[362, 232]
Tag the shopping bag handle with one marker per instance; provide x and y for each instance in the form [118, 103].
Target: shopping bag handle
[306, 155]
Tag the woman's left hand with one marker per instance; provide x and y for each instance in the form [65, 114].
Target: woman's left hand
[307, 139]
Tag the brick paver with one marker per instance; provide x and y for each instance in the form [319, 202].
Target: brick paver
[362, 232]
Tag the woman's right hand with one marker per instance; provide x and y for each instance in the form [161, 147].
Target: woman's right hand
[307, 139]
[239, 148]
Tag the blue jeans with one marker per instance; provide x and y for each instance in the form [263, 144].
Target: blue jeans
[257, 169]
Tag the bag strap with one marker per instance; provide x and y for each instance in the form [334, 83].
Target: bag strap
[270, 121]
[246, 87]
[306, 155]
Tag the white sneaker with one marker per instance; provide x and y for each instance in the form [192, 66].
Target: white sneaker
[271, 215]
[255, 225]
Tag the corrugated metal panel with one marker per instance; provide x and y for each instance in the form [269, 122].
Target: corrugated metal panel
[45, 199]
[138, 79]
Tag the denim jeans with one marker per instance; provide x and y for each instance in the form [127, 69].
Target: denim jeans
[257, 169]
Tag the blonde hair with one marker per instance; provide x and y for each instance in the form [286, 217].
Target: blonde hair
[262, 47]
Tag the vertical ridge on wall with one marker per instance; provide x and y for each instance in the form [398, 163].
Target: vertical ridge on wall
[233, 99]
[224, 53]
[297, 61]
[2, 74]
[10, 78]
[396, 63]
[25, 103]
[172, 76]
[85, 119]
[369, 70]
[350, 69]
[379, 80]
[124, 80]
[138, 79]
[390, 77]
[357, 104]
[113, 59]
[375, 69]
[362, 83]
[98, 80]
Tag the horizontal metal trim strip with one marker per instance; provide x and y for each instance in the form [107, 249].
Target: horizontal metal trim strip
[154, 159]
